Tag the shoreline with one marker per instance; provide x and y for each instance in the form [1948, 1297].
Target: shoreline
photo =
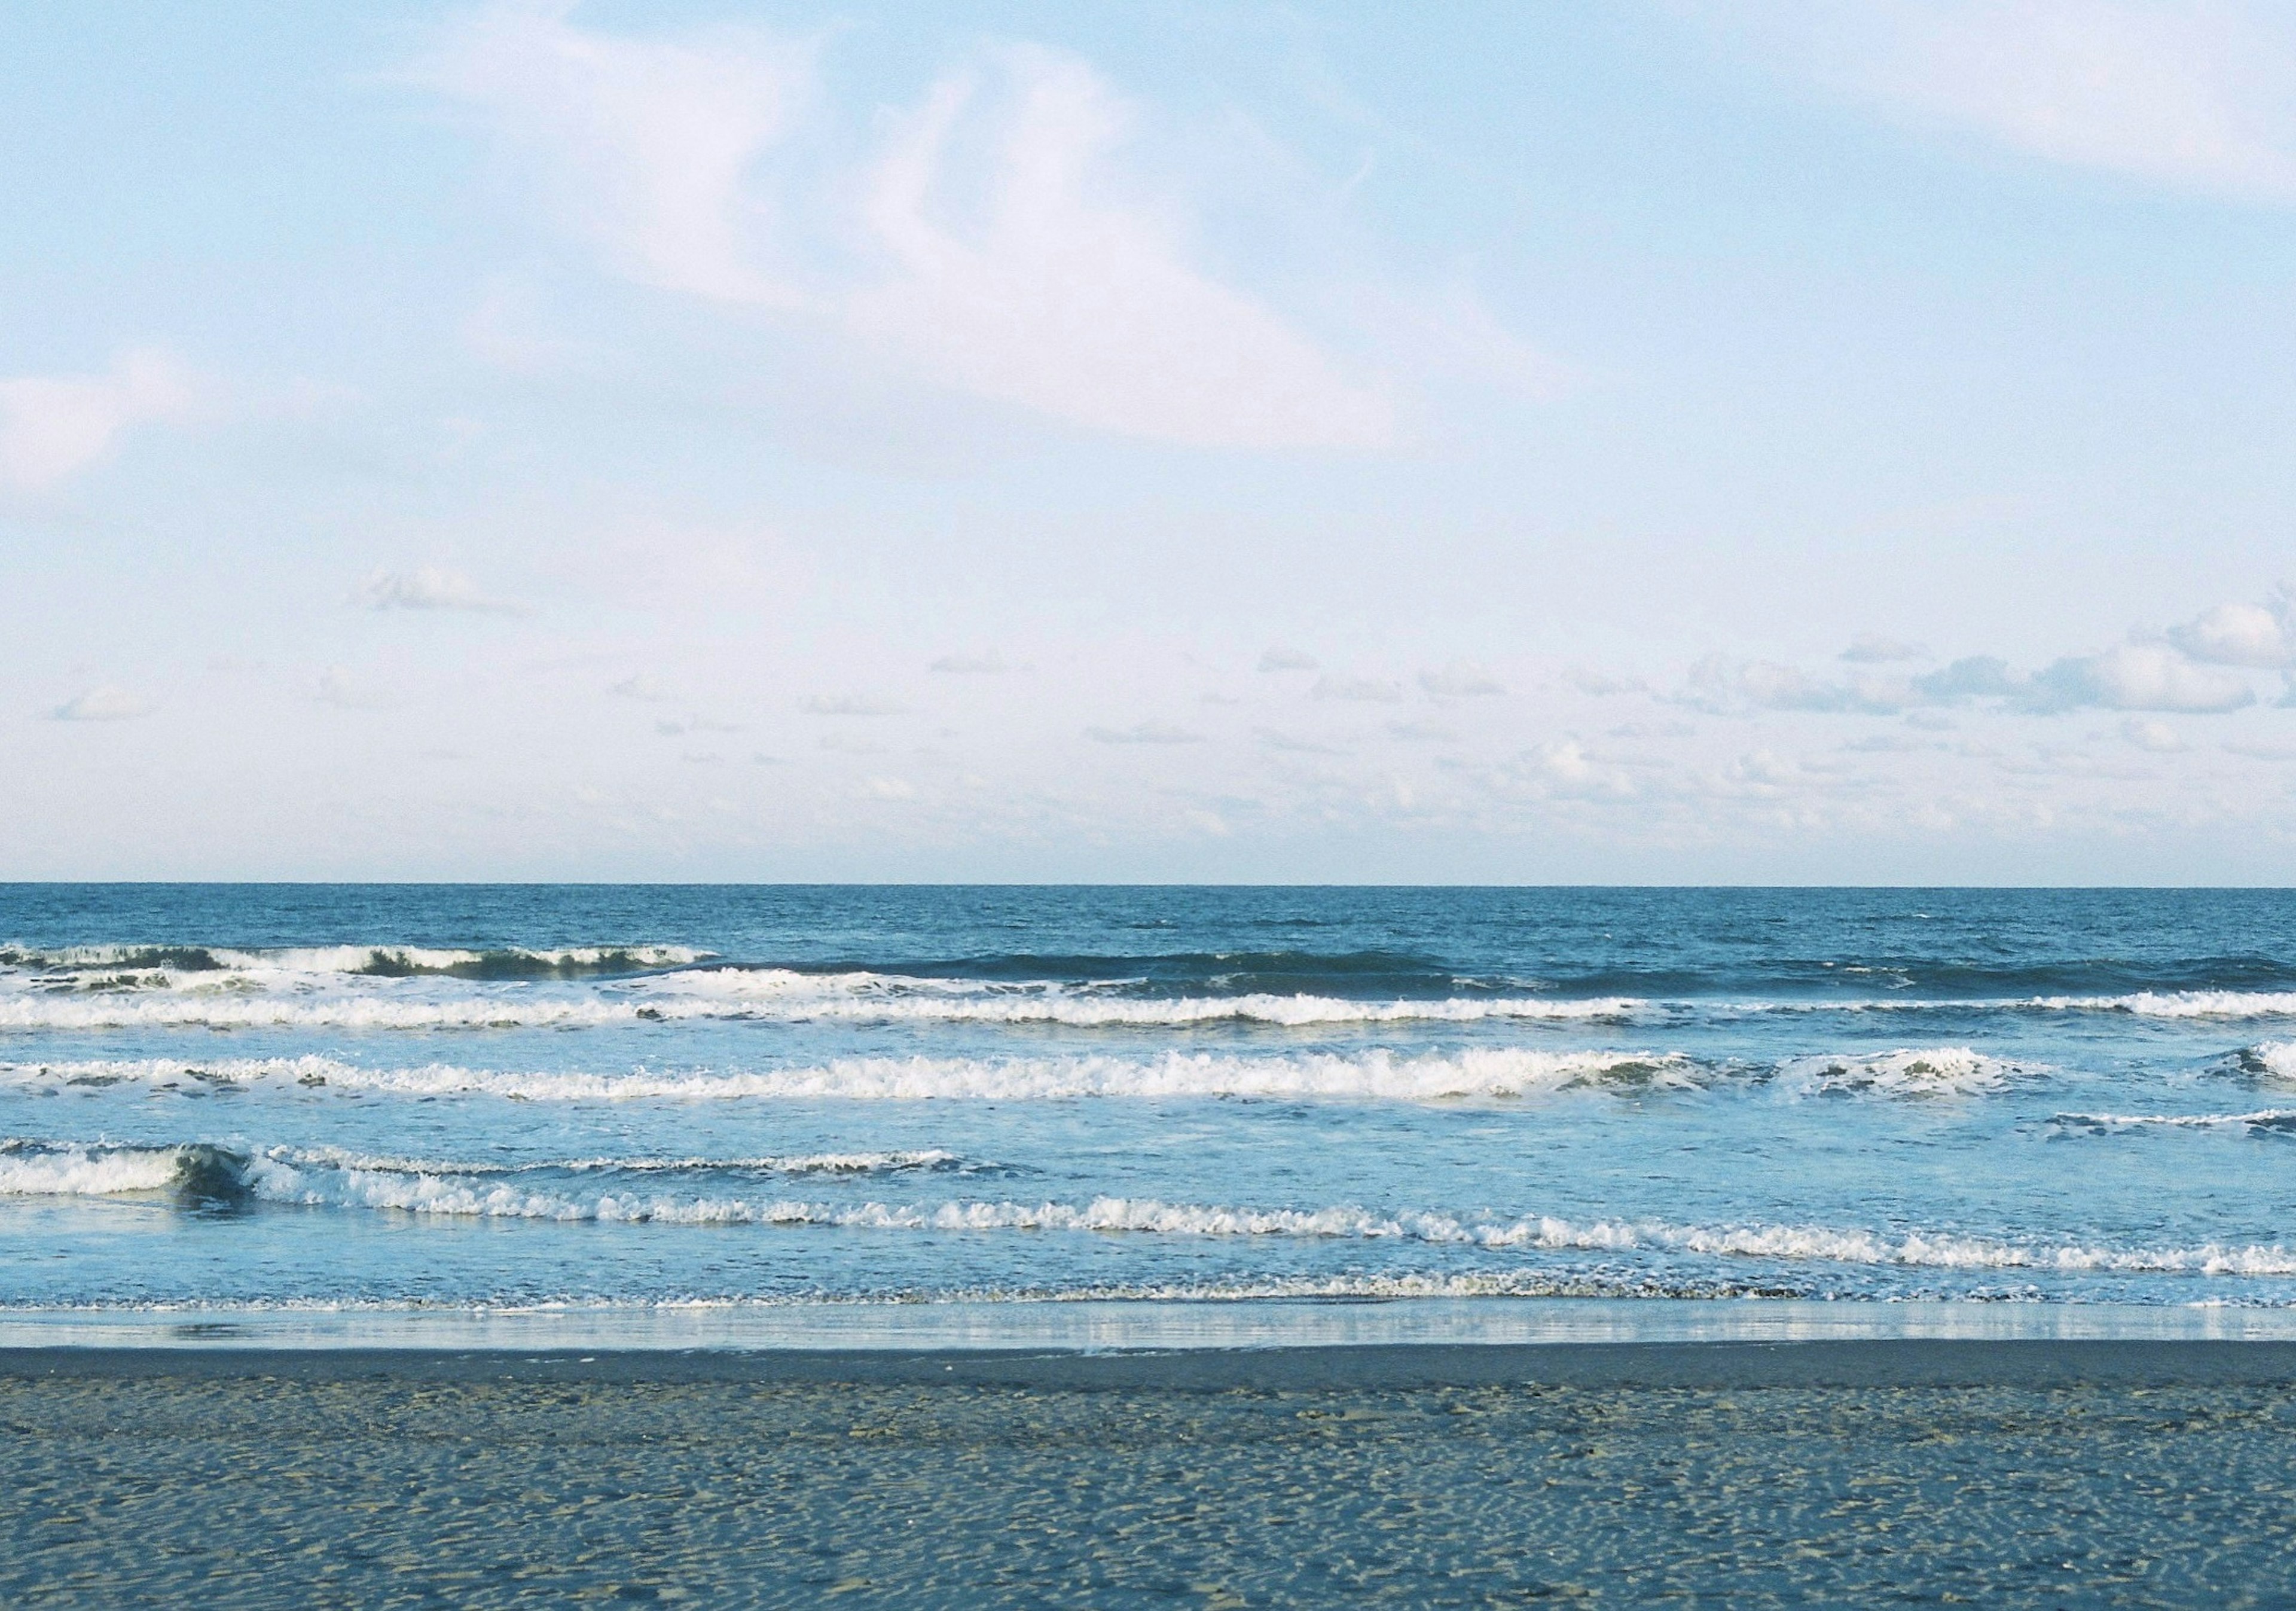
[1835, 1364]
[1087, 1327]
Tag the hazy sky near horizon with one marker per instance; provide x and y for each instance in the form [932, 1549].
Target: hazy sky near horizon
[1695, 440]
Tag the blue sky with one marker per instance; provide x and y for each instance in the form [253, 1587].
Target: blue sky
[1673, 441]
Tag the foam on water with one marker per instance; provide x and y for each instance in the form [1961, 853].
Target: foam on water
[1469, 1073]
[1929, 1071]
[281, 1176]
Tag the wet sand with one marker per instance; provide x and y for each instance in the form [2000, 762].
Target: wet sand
[2006, 1473]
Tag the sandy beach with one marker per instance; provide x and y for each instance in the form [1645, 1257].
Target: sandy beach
[2042, 1474]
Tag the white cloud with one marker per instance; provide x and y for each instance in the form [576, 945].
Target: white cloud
[426, 588]
[1146, 732]
[645, 147]
[2137, 677]
[105, 703]
[850, 705]
[1721, 686]
[886, 788]
[2242, 635]
[2195, 94]
[52, 427]
[990, 244]
[1281, 659]
[1056, 294]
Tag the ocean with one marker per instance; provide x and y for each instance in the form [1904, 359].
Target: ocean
[624, 1100]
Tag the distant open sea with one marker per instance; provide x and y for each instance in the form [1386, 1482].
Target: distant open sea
[637, 1099]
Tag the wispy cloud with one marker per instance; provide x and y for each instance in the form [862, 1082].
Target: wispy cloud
[52, 427]
[2189, 94]
[646, 148]
[990, 243]
[2242, 634]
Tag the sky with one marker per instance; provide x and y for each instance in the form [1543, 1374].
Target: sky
[1683, 441]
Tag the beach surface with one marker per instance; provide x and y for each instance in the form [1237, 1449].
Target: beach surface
[1919, 1471]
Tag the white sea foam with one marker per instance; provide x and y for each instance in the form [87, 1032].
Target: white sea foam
[428, 1194]
[1926, 1070]
[86, 1172]
[323, 1179]
[243, 998]
[2275, 1058]
[2177, 1004]
[1494, 1072]
[2269, 1118]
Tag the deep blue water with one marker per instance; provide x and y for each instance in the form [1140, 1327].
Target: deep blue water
[473, 1096]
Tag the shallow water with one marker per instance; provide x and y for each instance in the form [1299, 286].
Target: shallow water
[382, 1095]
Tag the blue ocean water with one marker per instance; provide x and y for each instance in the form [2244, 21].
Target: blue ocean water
[467, 1097]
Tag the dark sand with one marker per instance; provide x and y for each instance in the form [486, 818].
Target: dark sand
[2019, 1474]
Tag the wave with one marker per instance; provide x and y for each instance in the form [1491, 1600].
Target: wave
[166, 967]
[241, 1001]
[1496, 1072]
[2177, 1004]
[2271, 1120]
[1933, 1071]
[206, 1173]
[215, 1173]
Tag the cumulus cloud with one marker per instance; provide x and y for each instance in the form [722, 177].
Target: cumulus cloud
[2242, 635]
[426, 588]
[52, 427]
[2137, 677]
[2130, 677]
[106, 704]
[1146, 732]
[991, 243]
[1720, 685]
[1281, 659]
[2194, 95]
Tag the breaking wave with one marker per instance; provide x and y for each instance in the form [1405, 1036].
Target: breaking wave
[1933, 1071]
[1496, 1072]
[281, 1176]
[385, 1001]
